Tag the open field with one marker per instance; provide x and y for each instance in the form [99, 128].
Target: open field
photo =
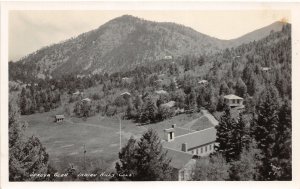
[65, 141]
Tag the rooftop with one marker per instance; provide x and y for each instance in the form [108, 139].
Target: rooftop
[194, 139]
[161, 92]
[169, 104]
[59, 116]
[265, 68]
[232, 96]
[125, 93]
[202, 81]
[86, 99]
[169, 130]
[203, 122]
[76, 93]
[178, 159]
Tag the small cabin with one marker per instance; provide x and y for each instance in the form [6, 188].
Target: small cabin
[265, 69]
[126, 80]
[233, 100]
[77, 93]
[86, 100]
[168, 57]
[125, 95]
[160, 92]
[59, 118]
[203, 82]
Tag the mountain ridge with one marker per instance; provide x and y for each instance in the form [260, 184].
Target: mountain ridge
[127, 41]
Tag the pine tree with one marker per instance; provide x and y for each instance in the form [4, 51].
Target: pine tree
[237, 140]
[128, 162]
[223, 89]
[130, 111]
[138, 103]
[265, 131]
[283, 147]
[241, 88]
[26, 155]
[23, 102]
[149, 111]
[143, 160]
[193, 101]
[224, 135]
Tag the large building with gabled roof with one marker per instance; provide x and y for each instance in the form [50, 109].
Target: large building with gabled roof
[200, 143]
[184, 149]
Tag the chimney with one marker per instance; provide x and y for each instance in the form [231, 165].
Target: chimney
[169, 134]
[173, 126]
[184, 147]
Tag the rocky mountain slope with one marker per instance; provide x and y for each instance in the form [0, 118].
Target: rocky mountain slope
[125, 42]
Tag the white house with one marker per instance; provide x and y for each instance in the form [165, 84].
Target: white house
[168, 57]
[265, 69]
[161, 92]
[86, 100]
[77, 93]
[126, 80]
[233, 101]
[203, 82]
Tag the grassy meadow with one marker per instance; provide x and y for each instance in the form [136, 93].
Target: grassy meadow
[65, 141]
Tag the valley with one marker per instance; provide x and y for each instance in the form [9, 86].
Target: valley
[199, 99]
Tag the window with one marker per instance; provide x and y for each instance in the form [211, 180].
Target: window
[210, 147]
[238, 101]
[201, 150]
[171, 136]
[205, 148]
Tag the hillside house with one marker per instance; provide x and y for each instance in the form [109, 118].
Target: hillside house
[127, 80]
[265, 69]
[80, 76]
[160, 92]
[59, 118]
[168, 58]
[77, 93]
[125, 95]
[203, 82]
[87, 100]
[234, 101]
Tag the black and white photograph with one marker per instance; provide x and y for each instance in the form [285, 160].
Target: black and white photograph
[114, 95]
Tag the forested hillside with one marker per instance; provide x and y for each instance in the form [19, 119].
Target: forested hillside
[238, 70]
[123, 44]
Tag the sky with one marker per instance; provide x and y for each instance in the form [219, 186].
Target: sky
[31, 30]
